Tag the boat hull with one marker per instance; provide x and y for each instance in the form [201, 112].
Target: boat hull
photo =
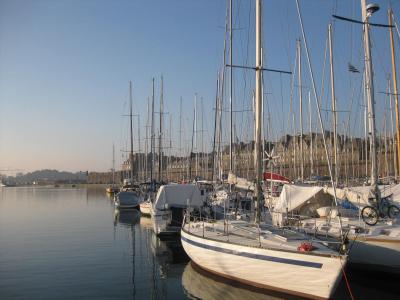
[289, 272]
[162, 223]
[375, 254]
[127, 199]
[372, 251]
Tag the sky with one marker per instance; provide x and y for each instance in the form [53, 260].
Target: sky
[65, 67]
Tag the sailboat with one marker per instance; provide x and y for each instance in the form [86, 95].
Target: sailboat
[258, 254]
[112, 189]
[130, 194]
[374, 246]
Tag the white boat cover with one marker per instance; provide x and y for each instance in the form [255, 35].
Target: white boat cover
[294, 196]
[359, 195]
[178, 195]
[240, 183]
[306, 200]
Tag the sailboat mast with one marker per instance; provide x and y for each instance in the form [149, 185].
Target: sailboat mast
[395, 166]
[394, 75]
[191, 149]
[146, 142]
[180, 137]
[139, 156]
[301, 112]
[257, 150]
[311, 135]
[334, 123]
[215, 131]
[152, 136]
[369, 84]
[113, 166]
[160, 153]
[131, 126]
[231, 90]
[195, 133]
[202, 140]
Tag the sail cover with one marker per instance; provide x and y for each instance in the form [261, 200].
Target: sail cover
[178, 195]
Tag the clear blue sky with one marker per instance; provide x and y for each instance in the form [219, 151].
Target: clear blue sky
[65, 68]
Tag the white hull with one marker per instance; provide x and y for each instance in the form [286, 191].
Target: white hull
[291, 272]
[162, 223]
[127, 199]
[376, 255]
[377, 248]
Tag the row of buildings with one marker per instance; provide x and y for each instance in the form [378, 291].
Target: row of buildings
[295, 157]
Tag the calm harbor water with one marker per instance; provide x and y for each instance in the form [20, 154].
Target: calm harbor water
[70, 243]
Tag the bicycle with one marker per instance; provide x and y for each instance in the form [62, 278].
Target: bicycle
[371, 214]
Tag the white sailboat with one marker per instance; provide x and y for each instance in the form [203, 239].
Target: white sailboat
[167, 211]
[112, 189]
[130, 195]
[258, 254]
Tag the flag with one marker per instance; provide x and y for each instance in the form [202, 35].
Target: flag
[353, 69]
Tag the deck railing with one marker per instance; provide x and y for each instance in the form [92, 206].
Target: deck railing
[228, 230]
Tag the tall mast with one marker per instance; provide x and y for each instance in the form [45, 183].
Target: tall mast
[396, 96]
[131, 126]
[113, 166]
[180, 136]
[191, 149]
[160, 153]
[365, 125]
[202, 139]
[195, 133]
[334, 123]
[257, 150]
[301, 112]
[231, 90]
[170, 148]
[222, 90]
[369, 84]
[139, 156]
[215, 131]
[152, 136]
[146, 142]
[311, 135]
[395, 166]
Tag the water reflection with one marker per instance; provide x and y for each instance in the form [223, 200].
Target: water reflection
[168, 252]
[199, 284]
[126, 217]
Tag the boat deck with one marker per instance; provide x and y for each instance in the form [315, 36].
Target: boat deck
[245, 234]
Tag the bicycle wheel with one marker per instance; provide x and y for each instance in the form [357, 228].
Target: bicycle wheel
[393, 211]
[369, 215]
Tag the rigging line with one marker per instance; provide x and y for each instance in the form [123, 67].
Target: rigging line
[347, 125]
[323, 77]
[247, 54]
[287, 46]
[291, 112]
[397, 29]
[319, 112]
[381, 64]
[244, 74]
[283, 122]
